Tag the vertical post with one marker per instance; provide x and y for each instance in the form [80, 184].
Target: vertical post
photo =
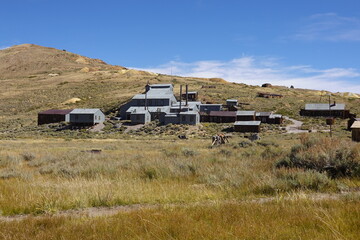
[180, 97]
[187, 94]
[330, 116]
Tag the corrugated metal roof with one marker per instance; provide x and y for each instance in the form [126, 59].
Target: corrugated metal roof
[160, 85]
[157, 95]
[231, 100]
[263, 114]
[275, 116]
[222, 114]
[85, 110]
[245, 113]
[150, 109]
[189, 93]
[324, 106]
[356, 124]
[56, 112]
[211, 104]
[247, 123]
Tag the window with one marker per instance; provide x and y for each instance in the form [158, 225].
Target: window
[192, 118]
[137, 117]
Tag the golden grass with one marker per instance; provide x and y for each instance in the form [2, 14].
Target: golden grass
[39, 176]
[298, 219]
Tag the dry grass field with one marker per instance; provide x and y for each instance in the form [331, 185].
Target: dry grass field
[147, 183]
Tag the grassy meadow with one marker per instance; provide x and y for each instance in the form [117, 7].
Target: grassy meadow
[283, 186]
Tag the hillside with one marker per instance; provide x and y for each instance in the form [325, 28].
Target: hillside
[34, 78]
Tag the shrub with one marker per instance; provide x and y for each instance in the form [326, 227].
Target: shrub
[336, 158]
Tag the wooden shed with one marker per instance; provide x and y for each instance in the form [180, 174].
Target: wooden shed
[53, 116]
[247, 126]
[245, 116]
[325, 110]
[351, 121]
[263, 116]
[355, 131]
[222, 116]
[191, 96]
[90, 116]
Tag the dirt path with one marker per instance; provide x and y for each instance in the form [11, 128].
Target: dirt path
[111, 211]
[132, 127]
[295, 127]
[97, 128]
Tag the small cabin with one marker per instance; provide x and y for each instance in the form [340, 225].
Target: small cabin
[140, 117]
[220, 117]
[53, 116]
[263, 117]
[247, 126]
[325, 110]
[245, 116]
[191, 96]
[355, 131]
[231, 102]
[86, 116]
[210, 107]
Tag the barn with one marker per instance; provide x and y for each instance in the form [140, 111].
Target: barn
[53, 116]
[86, 116]
[247, 126]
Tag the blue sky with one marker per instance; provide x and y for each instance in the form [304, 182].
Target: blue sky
[312, 44]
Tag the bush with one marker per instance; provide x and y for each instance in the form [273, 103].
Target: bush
[336, 158]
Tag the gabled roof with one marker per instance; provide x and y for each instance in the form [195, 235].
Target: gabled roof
[247, 123]
[56, 112]
[356, 124]
[324, 106]
[85, 111]
[245, 113]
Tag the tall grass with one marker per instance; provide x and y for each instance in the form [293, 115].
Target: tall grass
[296, 219]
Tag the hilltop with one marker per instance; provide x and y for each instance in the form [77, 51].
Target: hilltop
[34, 78]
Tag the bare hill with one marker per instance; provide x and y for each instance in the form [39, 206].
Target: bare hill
[26, 59]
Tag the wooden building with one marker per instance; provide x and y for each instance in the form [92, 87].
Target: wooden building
[53, 116]
[90, 116]
[247, 126]
[231, 102]
[325, 110]
[263, 117]
[140, 117]
[245, 116]
[355, 131]
[219, 117]
[351, 121]
[191, 96]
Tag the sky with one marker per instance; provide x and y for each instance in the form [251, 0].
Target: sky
[308, 44]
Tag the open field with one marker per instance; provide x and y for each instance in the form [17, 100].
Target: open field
[149, 184]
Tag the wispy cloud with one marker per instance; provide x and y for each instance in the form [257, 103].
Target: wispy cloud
[258, 70]
[329, 27]
[4, 47]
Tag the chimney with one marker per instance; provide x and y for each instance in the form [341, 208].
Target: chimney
[187, 95]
